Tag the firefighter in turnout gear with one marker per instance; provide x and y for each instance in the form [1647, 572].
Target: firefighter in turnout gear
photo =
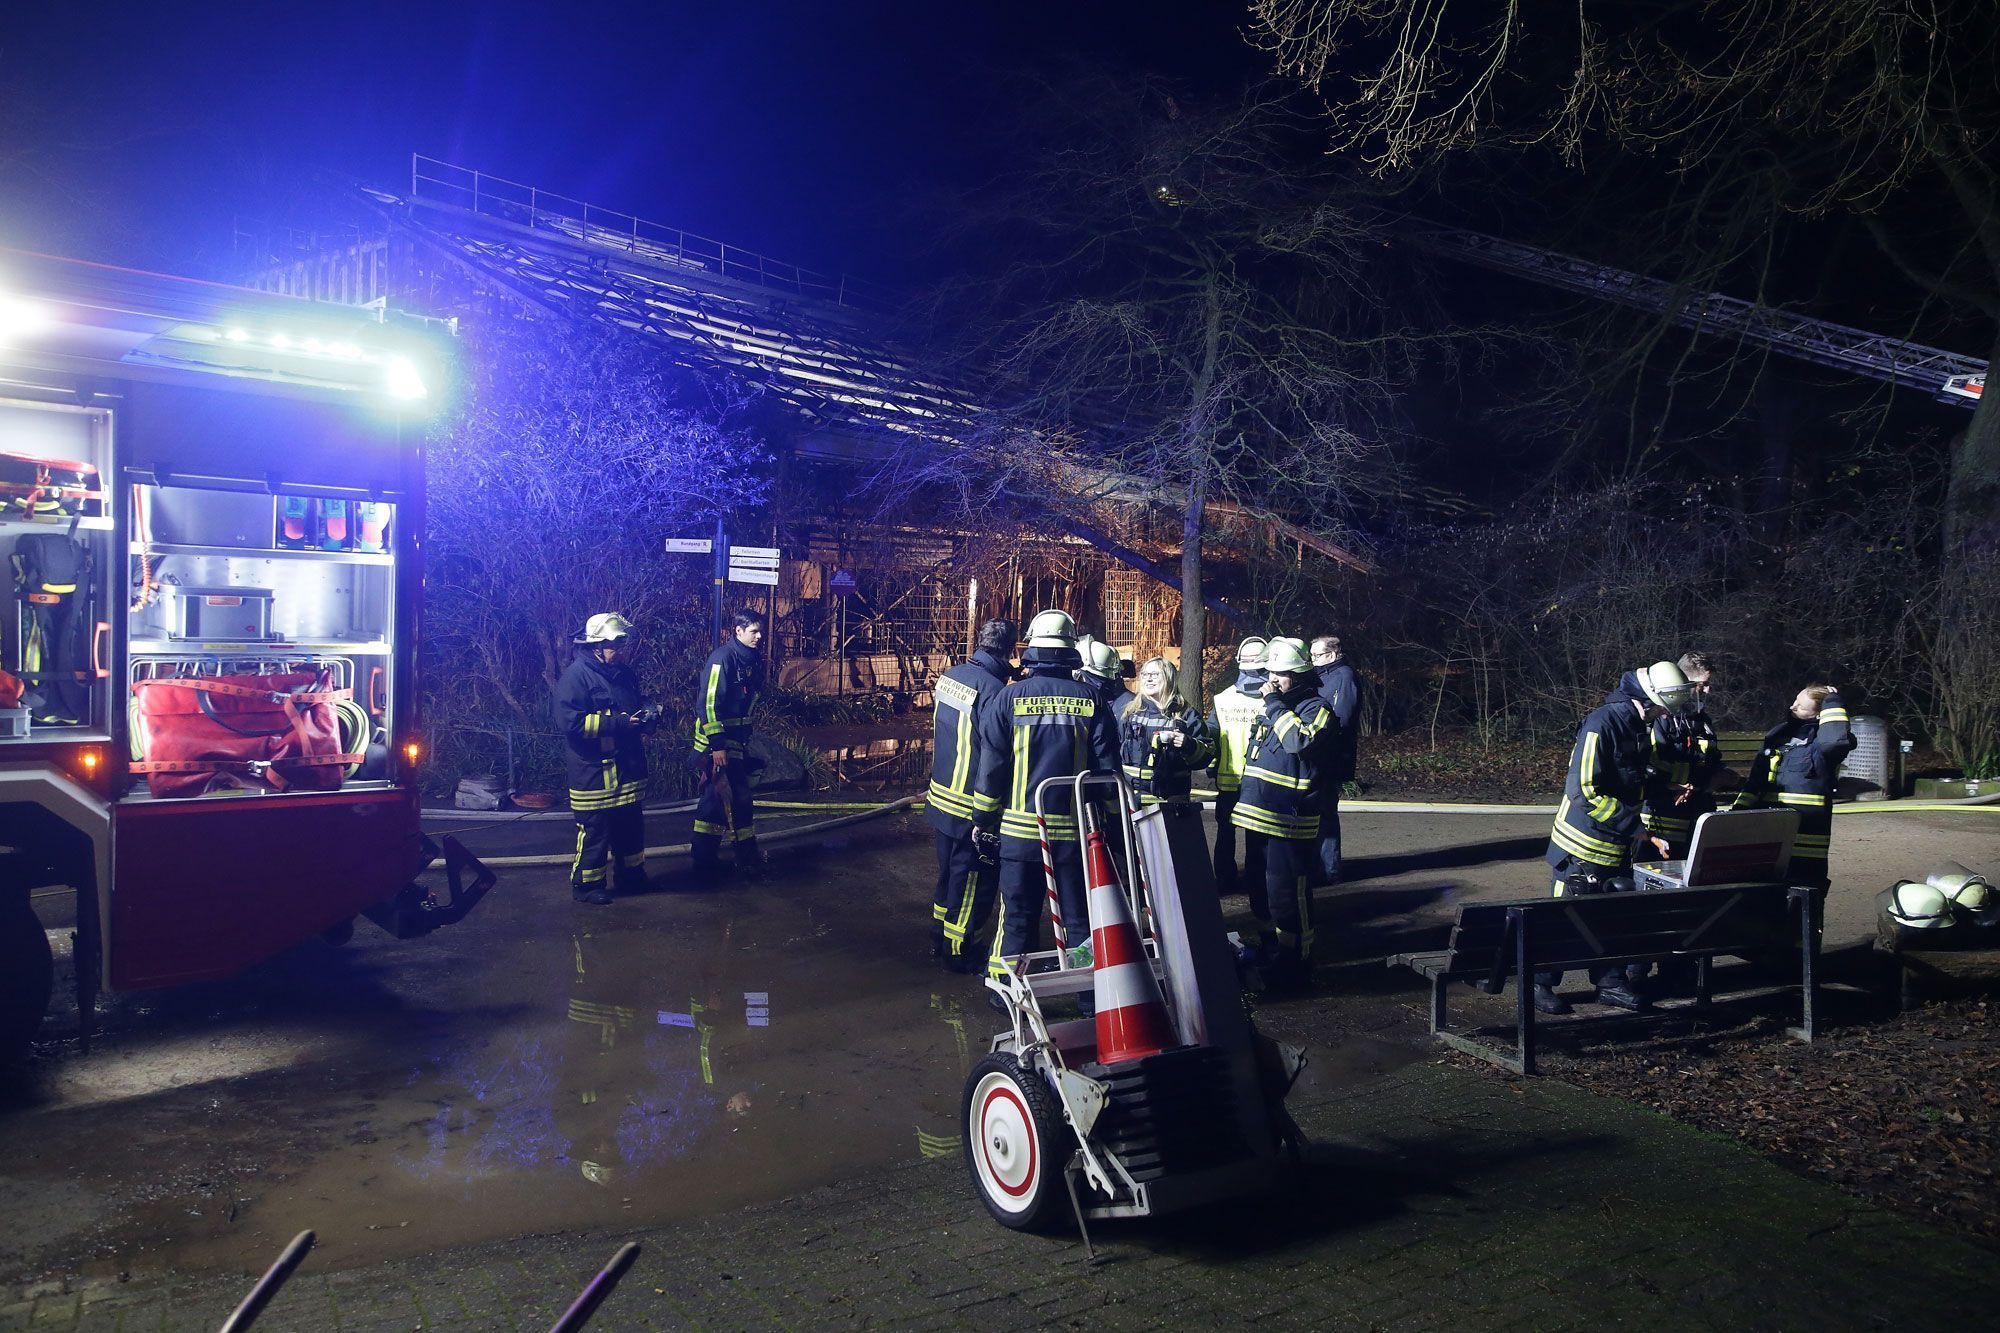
[1162, 741]
[1046, 726]
[1103, 670]
[1597, 826]
[731, 680]
[1796, 769]
[1686, 758]
[1278, 809]
[1235, 716]
[967, 872]
[604, 720]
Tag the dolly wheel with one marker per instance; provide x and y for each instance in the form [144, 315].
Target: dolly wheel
[27, 970]
[1015, 1143]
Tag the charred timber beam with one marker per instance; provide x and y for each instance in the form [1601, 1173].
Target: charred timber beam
[1126, 555]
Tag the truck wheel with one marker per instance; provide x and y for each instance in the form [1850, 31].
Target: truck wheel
[1016, 1144]
[27, 972]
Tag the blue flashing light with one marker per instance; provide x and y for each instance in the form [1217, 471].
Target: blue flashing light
[20, 318]
[403, 379]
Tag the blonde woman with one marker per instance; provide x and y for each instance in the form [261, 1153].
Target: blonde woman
[1162, 741]
[1797, 769]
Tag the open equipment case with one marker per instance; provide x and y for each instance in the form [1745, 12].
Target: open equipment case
[211, 508]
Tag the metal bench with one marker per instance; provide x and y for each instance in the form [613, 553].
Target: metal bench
[1492, 942]
[1738, 750]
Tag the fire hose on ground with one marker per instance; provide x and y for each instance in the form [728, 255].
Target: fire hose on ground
[777, 836]
[1378, 807]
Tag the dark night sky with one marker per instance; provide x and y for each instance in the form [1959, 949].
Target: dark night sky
[135, 132]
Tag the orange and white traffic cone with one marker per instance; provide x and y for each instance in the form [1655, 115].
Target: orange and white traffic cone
[1132, 1019]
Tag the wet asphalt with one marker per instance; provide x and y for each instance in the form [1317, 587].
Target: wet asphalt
[542, 1066]
[548, 1067]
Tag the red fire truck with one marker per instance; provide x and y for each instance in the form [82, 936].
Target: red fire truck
[211, 522]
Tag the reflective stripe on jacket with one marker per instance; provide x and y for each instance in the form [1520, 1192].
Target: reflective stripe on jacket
[606, 759]
[1685, 753]
[1599, 814]
[1160, 771]
[1798, 768]
[960, 696]
[1046, 726]
[731, 680]
[1281, 774]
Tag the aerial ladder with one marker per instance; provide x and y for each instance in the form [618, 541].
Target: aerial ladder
[1949, 377]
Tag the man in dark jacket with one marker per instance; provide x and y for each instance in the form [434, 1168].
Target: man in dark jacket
[1341, 689]
[1046, 726]
[966, 876]
[603, 719]
[1797, 769]
[1597, 826]
[731, 680]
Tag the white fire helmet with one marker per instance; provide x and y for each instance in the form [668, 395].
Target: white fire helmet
[1100, 659]
[1287, 656]
[1975, 899]
[605, 627]
[1052, 629]
[1666, 685]
[1250, 654]
[1918, 906]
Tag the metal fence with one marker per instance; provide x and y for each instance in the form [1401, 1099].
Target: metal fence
[543, 210]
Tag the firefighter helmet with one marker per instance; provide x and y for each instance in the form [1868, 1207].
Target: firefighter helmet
[1100, 659]
[1052, 629]
[1250, 653]
[1972, 897]
[604, 627]
[1287, 656]
[1666, 685]
[1918, 906]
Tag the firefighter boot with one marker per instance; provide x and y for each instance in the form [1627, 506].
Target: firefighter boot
[1288, 970]
[1613, 989]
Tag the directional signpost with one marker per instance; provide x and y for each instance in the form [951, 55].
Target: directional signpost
[754, 564]
[733, 564]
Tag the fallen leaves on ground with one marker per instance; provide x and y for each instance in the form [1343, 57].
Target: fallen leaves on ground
[1904, 1112]
[1459, 768]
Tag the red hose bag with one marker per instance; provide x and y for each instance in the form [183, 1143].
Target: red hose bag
[275, 733]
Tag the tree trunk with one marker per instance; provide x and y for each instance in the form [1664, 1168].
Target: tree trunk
[1966, 656]
[1972, 505]
[1194, 615]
